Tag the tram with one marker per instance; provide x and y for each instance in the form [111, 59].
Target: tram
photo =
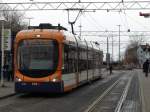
[49, 59]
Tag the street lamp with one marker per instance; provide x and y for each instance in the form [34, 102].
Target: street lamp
[2, 19]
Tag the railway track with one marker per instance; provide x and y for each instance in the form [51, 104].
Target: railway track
[113, 98]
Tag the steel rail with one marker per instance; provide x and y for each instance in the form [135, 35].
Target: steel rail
[100, 98]
[120, 102]
[124, 95]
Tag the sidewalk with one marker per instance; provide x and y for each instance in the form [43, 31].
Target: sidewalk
[145, 90]
[8, 90]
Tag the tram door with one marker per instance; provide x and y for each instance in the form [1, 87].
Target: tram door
[73, 56]
[70, 62]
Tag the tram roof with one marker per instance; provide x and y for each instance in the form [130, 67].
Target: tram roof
[69, 38]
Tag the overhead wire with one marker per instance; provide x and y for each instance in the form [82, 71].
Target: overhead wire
[138, 22]
[130, 17]
[96, 23]
[123, 22]
[124, 12]
[125, 16]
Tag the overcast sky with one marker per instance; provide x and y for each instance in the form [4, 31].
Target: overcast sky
[97, 21]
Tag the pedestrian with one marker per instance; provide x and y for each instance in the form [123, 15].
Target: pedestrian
[10, 75]
[5, 71]
[110, 69]
[146, 67]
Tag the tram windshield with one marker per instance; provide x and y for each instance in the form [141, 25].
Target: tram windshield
[37, 57]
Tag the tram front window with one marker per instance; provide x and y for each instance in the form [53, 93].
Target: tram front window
[37, 58]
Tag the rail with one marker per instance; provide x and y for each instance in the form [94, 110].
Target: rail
[121, 98]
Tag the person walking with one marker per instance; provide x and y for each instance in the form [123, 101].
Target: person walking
[5, 71]
[146, 67]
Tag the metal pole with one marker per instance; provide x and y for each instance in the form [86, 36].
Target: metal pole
[107, 53]
[2, 54]
[80, 26]
[29, 21]
[119, 43]
[80, 30]
[107, 46]
[112, 48]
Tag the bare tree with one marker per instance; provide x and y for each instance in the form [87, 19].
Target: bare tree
[136, 40]
[131, 50]
[14, 19]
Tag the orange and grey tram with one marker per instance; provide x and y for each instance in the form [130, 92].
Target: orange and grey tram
[49, 59]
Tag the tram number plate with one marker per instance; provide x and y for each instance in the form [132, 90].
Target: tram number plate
[34, 84]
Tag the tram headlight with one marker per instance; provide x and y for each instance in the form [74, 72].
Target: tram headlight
[55, 80]
[18, 79]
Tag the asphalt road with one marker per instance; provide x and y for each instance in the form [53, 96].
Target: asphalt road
[74, 101]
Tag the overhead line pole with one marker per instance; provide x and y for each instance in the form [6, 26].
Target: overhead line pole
[112, 48]
[107, 55]
[119, 42]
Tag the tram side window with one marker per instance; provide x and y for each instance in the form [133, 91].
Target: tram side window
[96, 60]
[82, 59]
[90, 61]
[70, 59]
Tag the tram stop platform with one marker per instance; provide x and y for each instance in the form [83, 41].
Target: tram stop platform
[145, 90]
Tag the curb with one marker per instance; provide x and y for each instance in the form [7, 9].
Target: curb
[7, 96]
